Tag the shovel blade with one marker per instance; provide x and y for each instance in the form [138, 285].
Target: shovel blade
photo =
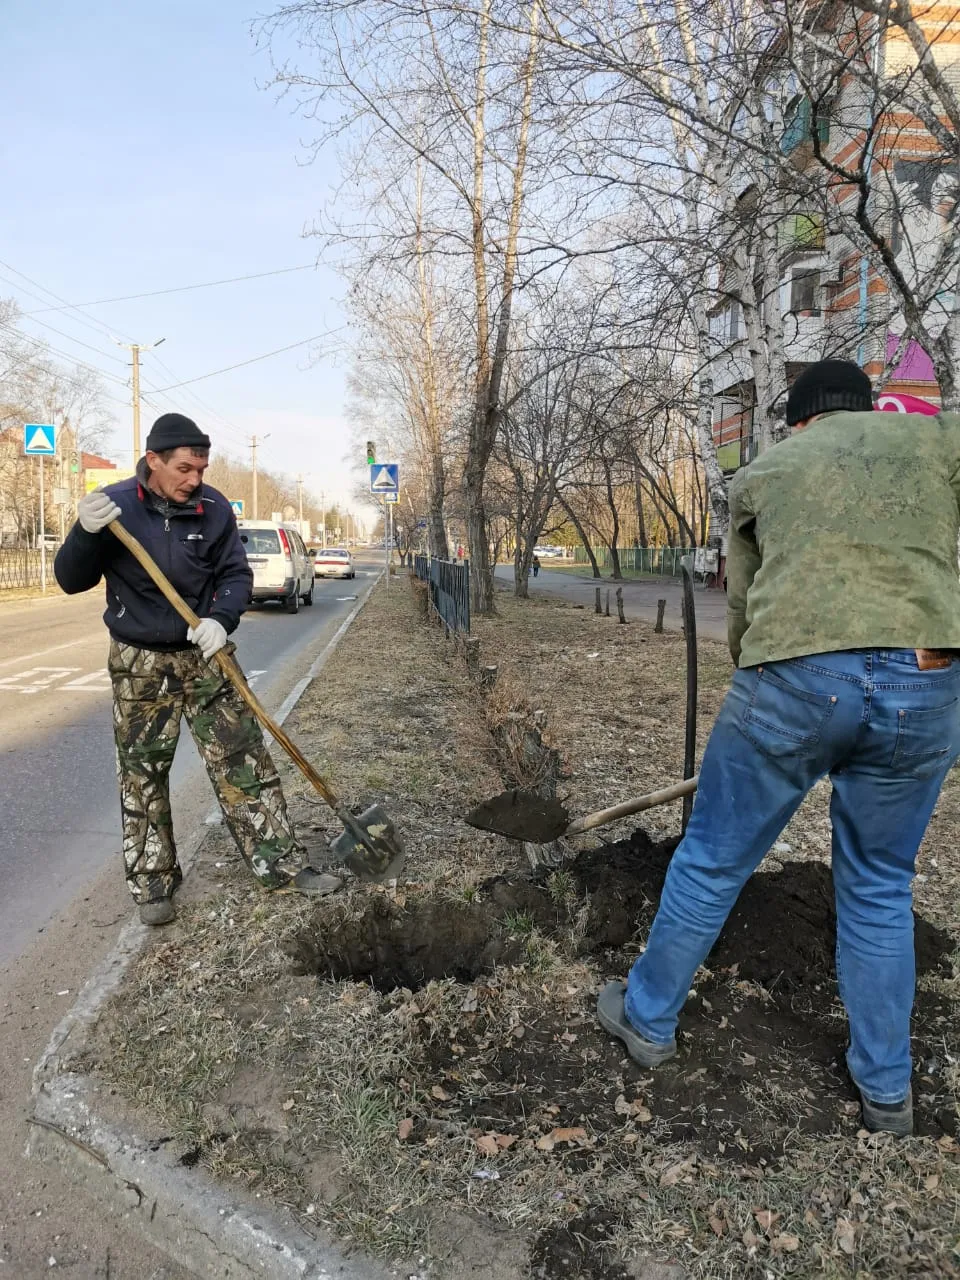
[521, 815]
[382, 858]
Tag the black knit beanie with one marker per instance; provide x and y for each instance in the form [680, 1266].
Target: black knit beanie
[829, 385]
[173, 430]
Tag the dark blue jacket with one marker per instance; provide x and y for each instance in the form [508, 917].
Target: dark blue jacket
[197, 547]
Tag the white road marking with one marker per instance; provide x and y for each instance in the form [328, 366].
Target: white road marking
[39, 678]
[92, 682]
[68, 644]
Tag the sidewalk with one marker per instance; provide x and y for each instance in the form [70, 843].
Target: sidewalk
[640, 597]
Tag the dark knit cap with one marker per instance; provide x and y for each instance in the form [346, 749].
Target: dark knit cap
[829, 385]
[173, 431]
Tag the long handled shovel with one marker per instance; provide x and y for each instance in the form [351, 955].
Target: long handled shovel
[369, 845]
[536, 819]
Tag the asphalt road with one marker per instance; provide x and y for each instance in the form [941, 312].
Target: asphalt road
[59, 810]
[640, 596]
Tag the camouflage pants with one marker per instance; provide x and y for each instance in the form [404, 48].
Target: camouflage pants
[151, 692]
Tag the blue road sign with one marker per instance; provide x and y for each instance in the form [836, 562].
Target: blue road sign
[236, 505]
[421, 524]
[385, 478]
[39, 437]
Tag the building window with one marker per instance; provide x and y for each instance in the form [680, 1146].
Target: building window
[805, 292]
[725, 324]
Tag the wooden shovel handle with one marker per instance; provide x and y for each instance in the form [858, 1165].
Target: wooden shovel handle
[603, 816]
[227, 665]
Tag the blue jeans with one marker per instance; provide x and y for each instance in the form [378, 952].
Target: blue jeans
[887, 734]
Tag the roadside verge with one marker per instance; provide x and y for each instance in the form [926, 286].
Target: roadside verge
[416, 1072]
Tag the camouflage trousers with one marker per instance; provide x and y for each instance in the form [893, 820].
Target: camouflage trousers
[151, 692]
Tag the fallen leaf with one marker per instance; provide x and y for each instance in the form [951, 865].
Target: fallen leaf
[404, 1129]
[550, 1140]
[672, 1175]
[505, 1140]
[748, 1060]
[749, 1239]
[440, 1094]
[785, 1243]
[932, 1182]
[569, 1135]
[718, 1225]
[766, 1219]
[487, 1145]
[845, 1236]
[289, 1104]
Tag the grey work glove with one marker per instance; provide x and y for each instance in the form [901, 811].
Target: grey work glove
[96, 510]
[209, 636]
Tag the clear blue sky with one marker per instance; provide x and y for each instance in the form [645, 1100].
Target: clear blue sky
[141, 152]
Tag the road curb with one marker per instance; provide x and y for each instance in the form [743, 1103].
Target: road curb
[178, 1209]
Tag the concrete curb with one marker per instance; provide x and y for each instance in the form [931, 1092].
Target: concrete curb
[180, 1210]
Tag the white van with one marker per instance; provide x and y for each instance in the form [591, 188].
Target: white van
[282, 570]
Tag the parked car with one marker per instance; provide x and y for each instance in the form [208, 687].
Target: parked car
[333, 562]
[282, 570]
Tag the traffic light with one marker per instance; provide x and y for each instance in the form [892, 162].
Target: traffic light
[371, 453]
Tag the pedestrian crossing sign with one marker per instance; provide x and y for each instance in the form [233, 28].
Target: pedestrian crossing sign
[384, 477]
[39, 437]
[236, 505]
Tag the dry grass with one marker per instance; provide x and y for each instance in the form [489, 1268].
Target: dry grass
[362, 1111]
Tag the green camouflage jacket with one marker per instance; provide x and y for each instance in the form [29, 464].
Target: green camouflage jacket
[845, 537]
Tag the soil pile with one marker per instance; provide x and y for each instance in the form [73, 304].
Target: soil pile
[762, 1037]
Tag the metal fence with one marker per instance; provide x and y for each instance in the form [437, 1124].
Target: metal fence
[20, 568]
[662, 562]
[449, 582]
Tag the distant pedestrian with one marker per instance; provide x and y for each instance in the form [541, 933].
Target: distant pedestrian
[162, 671]
[536, 566]
[859, 683]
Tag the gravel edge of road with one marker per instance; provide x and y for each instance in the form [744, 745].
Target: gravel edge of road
[179, 1210]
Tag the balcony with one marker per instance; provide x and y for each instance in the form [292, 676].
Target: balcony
[798, 126]
[801, 233]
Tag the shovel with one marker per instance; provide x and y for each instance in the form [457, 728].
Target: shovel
[369, 845]
[536, 819]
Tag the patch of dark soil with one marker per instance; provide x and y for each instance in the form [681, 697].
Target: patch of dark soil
[578, 1248]
[392, 945]
[762, 1038]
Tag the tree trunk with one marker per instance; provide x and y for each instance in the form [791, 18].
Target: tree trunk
[639, 495]
[582, 534]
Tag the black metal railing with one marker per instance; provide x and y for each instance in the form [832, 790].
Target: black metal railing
[449, 582]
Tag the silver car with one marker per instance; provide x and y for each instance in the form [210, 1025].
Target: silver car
[333, 562]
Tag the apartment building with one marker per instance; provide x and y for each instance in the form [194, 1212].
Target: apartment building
[832, 299]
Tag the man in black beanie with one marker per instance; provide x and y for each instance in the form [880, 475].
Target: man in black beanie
[844, 620]
[162, 670]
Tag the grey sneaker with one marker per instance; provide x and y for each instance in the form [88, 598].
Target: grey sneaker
[613, 1018]
[889, 1117]
[160, 911]
[318, 884]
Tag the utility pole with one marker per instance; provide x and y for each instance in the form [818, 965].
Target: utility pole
[323, 518]
[300, 499]
[253, 468]
[135, 348]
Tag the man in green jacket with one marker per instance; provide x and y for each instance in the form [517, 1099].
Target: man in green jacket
[844, 620]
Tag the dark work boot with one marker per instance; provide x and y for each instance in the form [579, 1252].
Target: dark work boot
[613, 1018]
[316, 883]
[159, 911]
[889, 1117]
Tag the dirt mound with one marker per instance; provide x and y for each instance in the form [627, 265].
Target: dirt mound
[762, 1039]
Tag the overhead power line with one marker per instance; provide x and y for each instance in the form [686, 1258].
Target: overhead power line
[183, 288]
[253, 360]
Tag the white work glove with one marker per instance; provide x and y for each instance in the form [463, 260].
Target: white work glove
[209, 636]
[96, 511]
